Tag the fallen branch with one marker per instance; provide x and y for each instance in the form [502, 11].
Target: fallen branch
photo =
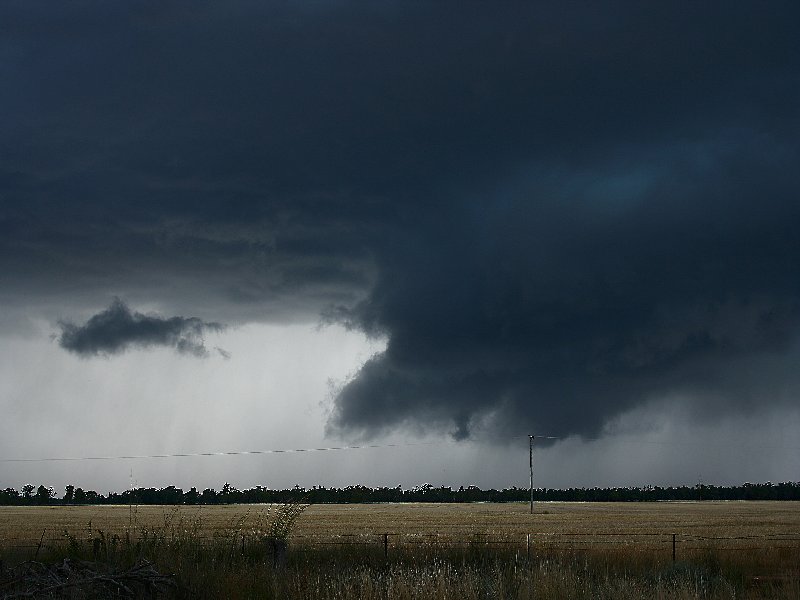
[37, 580]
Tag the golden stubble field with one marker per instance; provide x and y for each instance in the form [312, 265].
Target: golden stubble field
[718, 523]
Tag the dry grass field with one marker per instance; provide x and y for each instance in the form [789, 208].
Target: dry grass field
[442, 551]
[739, 520]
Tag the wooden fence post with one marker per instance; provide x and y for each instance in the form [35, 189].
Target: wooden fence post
[279, 547]
[386, 545]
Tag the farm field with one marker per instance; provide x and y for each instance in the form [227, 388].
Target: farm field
[420, 551]
[455, 522]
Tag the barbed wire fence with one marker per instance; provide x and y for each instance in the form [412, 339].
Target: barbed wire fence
[672, 545]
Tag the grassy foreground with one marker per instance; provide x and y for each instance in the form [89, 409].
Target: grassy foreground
[243, 557]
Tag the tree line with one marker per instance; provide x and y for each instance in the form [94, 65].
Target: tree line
[358, 494]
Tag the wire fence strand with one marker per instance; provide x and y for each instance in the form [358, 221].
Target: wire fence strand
[526, 541]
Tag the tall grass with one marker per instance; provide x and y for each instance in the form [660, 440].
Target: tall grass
[239, 561]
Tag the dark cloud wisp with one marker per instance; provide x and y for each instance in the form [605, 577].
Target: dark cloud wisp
[118, 329]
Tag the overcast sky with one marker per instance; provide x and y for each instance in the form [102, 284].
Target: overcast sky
[444, 225]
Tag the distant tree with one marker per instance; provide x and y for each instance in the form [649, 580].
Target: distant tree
[80, 496]
[69, 494]
[192, 496]
[27, 492]
[9, 496]
[170, 495]
[43, 495]
[229, 494]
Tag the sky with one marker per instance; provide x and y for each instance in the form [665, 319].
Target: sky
[432, 228]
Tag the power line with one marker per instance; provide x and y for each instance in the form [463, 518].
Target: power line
[615, 438]
[609, 438]
[195, 454]
[684, 443]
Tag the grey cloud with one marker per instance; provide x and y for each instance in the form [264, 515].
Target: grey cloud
[552, 212]
[552, 310]
[118, 329]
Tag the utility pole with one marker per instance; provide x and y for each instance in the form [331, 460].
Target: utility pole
[530, 457]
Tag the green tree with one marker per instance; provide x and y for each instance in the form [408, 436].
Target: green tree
[9, 496]
[43, 495]
[27, 491]
[192, 496]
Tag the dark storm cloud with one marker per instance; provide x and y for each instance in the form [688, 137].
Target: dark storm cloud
[551, 315]
[117, 329]
[552, 212]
